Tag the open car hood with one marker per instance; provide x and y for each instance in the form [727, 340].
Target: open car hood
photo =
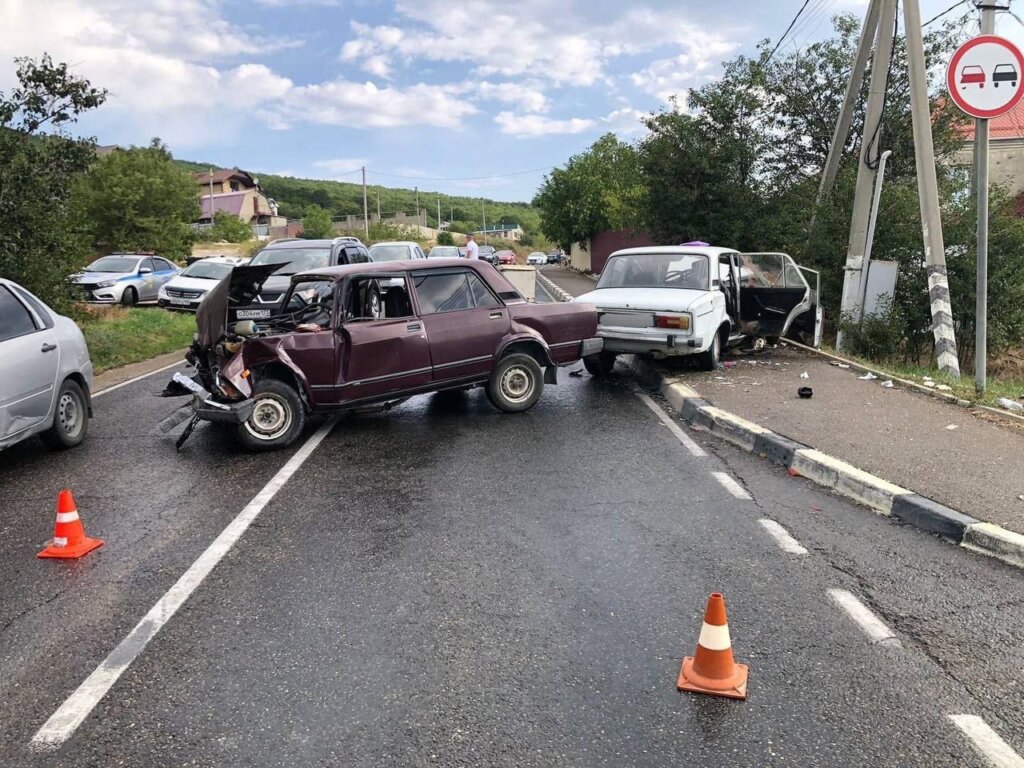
[239, 288]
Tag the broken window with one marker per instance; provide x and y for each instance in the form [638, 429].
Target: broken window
[377, 298]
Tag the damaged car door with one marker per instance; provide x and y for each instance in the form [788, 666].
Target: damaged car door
[773, 293]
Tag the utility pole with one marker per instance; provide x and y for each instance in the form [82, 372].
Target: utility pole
[378, 205]
[928, 192]
[835, 150]
[439, 214]
[988, 27]
[483, 211]
[366, 213]
[870, 142]
[211, 195]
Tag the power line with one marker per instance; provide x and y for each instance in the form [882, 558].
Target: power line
[939, 16]
[802, 7]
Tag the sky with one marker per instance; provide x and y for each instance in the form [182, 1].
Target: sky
[470, 97]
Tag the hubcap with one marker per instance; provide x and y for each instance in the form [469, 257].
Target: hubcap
[516, 384]
[67, 414]
[375, 306]
[270, 419]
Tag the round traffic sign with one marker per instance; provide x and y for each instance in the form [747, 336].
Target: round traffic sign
[985, 77]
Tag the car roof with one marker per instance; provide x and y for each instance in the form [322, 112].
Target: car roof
[705, 250]
[398, 242]
[219, 260]
[340, 272]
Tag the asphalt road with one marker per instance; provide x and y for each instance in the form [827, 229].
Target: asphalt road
[447, 585]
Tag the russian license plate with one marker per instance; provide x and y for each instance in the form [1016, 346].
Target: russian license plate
[181, 302]
[252, 314]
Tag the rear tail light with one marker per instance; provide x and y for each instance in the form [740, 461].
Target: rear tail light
[679, 322]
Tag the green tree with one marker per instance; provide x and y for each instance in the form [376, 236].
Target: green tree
[316, 224]
[137, 200]
[38, 247]
[445, 238]
[227, 227]
[598, 189]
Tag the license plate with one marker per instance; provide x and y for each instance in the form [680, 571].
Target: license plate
[252, 314]
[181, 302]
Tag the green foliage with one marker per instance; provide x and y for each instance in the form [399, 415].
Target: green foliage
[878, 336]
[138, 200]
[445, 238]
[226, 227]
[38, 247]
[598, 189]
[118, 337]
[316, 224]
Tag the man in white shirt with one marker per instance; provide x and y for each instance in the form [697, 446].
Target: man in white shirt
[472, 249]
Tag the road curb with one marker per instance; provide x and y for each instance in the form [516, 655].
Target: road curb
[871, 491]
[553, 289]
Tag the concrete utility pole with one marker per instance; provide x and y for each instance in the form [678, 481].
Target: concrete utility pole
[988, 27]
[870, 142]
[835, 150]
[366, 212]
[439, 213]
[928, 192]
[211, 195]
[483, 211]
[378, 205]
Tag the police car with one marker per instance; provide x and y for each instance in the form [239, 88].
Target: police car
[124, 278]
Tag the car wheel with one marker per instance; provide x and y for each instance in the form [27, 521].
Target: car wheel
[600, 364]
[516, 384]
[374, 306]
[709, 359]
[277, 419]
[130, 297]
[70, 418]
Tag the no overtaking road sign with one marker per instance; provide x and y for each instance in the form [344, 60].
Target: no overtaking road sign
[984, 77]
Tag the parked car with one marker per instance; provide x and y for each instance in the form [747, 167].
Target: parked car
[124, 278]
[45, 372]
[667, 301]
[451, 325]
[488, 254]
[537, 259]
[185, 290]
[396, 251]
[445, 252]
[296, 255]
[506, 257]
[556, 256]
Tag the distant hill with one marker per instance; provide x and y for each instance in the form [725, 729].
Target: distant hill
[293, 196]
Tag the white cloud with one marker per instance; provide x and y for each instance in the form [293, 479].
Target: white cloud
[526, 98]
[523, 126]
[360, 105]
[625, 121]
[670, 77]
[340, 166]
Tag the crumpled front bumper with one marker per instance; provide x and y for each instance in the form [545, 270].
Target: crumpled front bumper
[206, 408]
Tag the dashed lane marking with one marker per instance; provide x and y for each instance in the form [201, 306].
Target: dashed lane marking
[138, 378]
[63, 723]
[727, 482]
[872, 626]
[786, 542]
[682, 437]
[997, 752]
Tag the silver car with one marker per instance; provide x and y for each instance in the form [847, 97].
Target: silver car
[45, 372]
[124, 278]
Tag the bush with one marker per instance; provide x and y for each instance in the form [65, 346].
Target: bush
[445, 238]
[226, 227]
[316, 224]
[879, 336]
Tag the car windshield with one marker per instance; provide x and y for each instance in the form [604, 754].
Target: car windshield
[656, 270]
[293, 260]
[390, 253]
[113, 264]
[444, 252]
[208, 270]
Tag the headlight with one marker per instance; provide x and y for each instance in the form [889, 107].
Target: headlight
[106, 284]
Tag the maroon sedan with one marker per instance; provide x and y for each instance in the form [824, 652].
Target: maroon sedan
[375, 334]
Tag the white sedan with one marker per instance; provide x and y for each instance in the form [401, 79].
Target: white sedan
[187, 289]
[668, 301]
[537, 259]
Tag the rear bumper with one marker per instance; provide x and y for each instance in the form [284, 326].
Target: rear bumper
[646, 343]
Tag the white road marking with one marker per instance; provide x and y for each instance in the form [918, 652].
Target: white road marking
[682, 437]
[731, 485]
[138, 378]
[873, 627]
[786, 542]
[78, 705]
[997, 752]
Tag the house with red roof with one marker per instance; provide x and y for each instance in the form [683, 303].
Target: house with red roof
[1005, 150]
[237, 192]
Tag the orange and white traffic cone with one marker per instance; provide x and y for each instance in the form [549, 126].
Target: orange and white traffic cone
[712, 668]
[69, 539]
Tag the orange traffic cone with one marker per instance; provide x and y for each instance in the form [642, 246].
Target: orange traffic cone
[69, 539]
[712, 669]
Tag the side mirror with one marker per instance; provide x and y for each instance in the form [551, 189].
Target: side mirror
[145, 271]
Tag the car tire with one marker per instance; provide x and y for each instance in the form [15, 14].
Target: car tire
[709, 358]
[277, 419]
[600, 364]
[516, 383]
[70, 418]
[374, 304]
[130, 297]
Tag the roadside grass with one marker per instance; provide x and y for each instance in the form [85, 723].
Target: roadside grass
[1010, 387]
[118, 336]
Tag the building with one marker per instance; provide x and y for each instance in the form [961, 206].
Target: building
[236, 192]
[502, 232]
[1005, 150]
[591, 255]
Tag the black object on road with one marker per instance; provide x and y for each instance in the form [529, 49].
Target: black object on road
[805, 392]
